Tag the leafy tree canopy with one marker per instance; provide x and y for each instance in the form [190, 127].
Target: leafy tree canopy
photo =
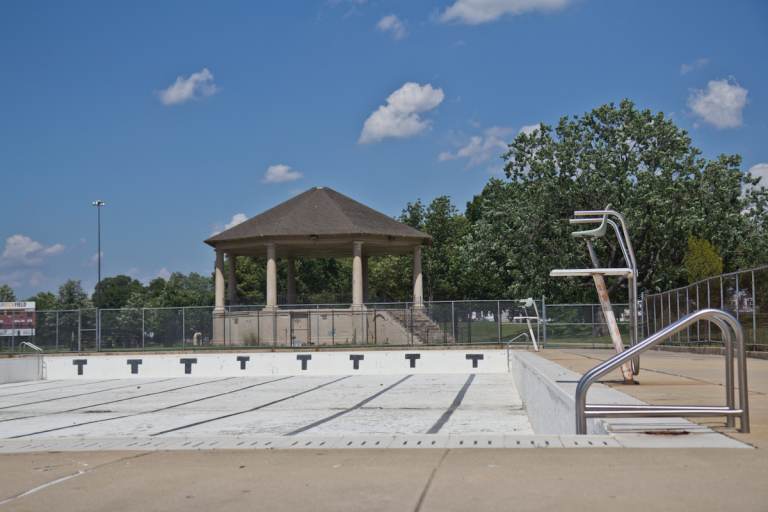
[7, 294]
[641, 164]
[701, 260]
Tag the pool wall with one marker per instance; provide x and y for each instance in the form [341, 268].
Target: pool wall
[19, 369]
[251, 364]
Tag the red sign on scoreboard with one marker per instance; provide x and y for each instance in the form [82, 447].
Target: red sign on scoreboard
[17, 318]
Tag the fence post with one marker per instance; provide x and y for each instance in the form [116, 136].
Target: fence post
[498, 320]
[13, 331]
[677, 301]
[722, 294]
[698, 324]
[709, 305]
[754, 312]
[79, 329]
[183, 328]
[98, 330]
[687, 306]
[736, 302]
[544, 322]
[57, 330]
[453, 321]
[143, 330]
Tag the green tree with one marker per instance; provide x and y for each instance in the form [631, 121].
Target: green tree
[635, 160]
[44, 301]
[72, 296]
[113, 292]
[701, 260]
[441, 265]
[7, 294]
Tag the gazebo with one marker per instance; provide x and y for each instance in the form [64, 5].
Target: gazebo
[318, 223]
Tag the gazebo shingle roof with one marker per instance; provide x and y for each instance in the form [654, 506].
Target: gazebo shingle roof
[321, 212]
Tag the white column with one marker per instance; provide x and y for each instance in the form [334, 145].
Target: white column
[271, 277]
[231, 280]
[219, 282]
[418, 286]
[357, 274]
[291, 288]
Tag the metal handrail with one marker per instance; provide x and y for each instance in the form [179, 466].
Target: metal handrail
[731, 329]
[587, 217]
[509, 345]
[38, 356]
[30, 345]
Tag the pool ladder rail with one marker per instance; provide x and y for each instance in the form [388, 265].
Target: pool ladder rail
[732, 332]
[38, 352]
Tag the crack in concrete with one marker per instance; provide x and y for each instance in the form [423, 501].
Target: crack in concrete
[429, 481]
[65, 478]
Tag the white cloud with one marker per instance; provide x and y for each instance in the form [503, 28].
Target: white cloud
[400, 116]
[22, 250]
[720, 104]
[699, 63]
[530, 128]
[94, 260]
[475, 12]
[23, 277]
[237, 218]
[281, 173]
[393, 25]
[196, 86]
[760, 171]
[164, 273]
[481, 148]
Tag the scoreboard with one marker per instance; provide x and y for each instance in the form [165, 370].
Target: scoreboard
[17, 319]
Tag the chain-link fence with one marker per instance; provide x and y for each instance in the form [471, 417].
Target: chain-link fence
[384, 324]
[744, 294]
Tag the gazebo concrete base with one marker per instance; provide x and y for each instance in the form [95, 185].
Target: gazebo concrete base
[301, 327]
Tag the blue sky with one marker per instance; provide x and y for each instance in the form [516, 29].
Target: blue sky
[183, 116]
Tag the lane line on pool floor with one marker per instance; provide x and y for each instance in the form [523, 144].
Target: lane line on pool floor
[118, 400]
[443, 419]
[103, 420]
[252, 409]
[346, 411]
[44, 386]
[80, 394]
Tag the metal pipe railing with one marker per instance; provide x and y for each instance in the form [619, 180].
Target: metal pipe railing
[625, 243]
[732, 331]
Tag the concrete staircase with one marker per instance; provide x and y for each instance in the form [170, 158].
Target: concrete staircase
[417, 322]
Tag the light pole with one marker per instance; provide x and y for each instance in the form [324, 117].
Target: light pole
[98, 204]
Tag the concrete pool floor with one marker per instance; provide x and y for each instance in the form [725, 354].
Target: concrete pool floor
[438, 479]
[244, 408]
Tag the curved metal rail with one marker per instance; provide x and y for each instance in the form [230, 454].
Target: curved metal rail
[622, 235]
[732, 331]
[38, 353]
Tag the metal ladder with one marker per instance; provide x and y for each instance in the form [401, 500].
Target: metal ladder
[731, 329]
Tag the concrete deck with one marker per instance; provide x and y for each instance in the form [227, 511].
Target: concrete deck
[669, 378]
[421, 480]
